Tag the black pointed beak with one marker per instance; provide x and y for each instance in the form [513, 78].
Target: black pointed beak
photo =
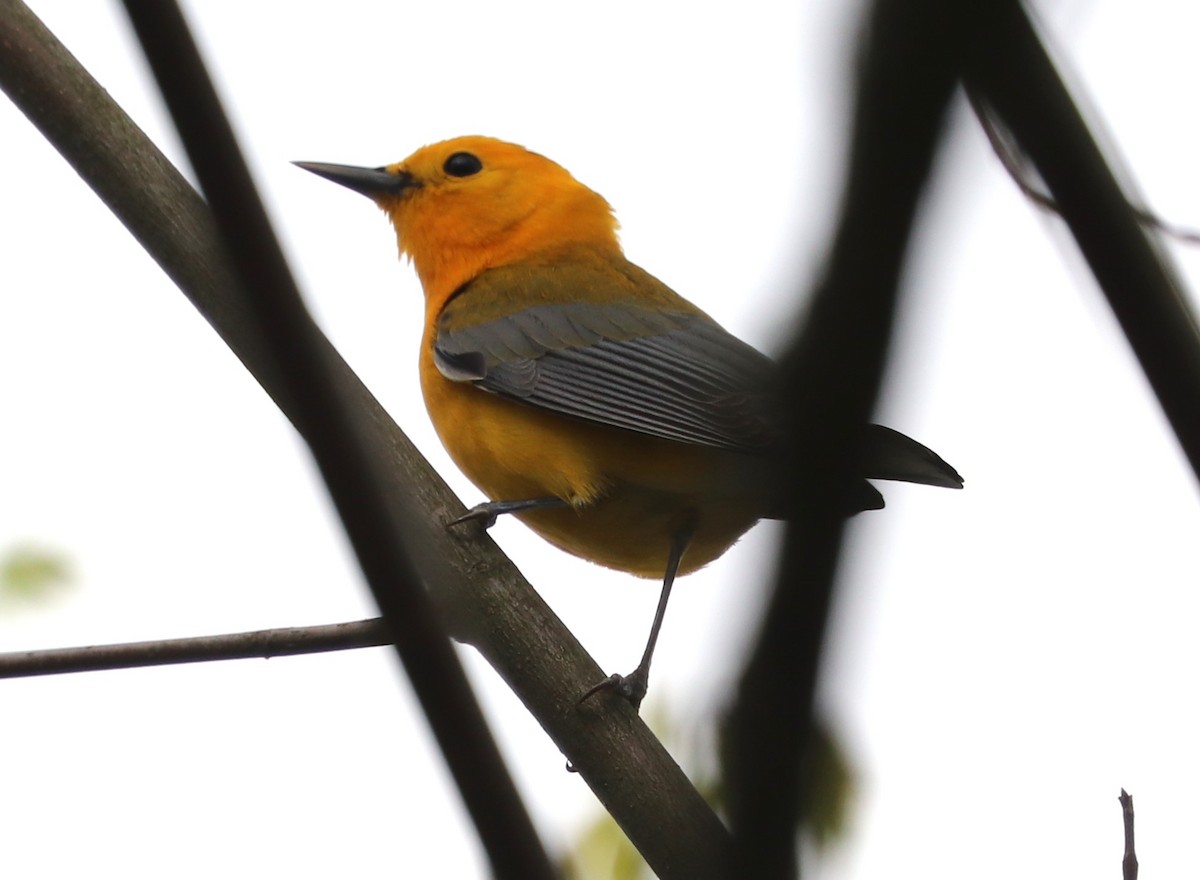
[370, 182]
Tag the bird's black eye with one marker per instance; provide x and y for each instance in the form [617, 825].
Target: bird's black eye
[462, 165]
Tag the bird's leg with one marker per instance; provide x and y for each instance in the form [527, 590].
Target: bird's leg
[487, 512]
[634, 685]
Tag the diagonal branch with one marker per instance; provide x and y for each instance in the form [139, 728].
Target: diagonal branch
[374, 521]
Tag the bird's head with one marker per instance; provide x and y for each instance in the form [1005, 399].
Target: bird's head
[472, 203]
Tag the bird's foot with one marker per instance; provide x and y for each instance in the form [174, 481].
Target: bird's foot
[484, 514]
[632, 687]
[487, 512]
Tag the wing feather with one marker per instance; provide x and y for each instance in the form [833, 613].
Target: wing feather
[673, 375]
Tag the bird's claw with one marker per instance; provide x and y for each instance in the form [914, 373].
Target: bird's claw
[481, 513]
[632, 687]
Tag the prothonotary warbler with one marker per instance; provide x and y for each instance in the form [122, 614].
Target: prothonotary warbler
[576, 390]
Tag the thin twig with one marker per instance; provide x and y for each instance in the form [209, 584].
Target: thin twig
[264, 643]
[1017, 166]
[1129, 864]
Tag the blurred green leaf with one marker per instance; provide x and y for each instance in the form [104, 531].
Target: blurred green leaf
[29, 573]
[603, 850]
[833, 789]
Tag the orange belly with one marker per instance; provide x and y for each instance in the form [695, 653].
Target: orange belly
[629, 494]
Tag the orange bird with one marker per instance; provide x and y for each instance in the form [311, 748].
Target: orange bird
[577, 391]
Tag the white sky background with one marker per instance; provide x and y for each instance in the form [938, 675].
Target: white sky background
[1009, 656]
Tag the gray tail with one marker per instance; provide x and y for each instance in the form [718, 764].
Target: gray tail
[889, 455]
[885, 455]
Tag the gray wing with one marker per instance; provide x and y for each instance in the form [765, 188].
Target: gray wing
[672, 375]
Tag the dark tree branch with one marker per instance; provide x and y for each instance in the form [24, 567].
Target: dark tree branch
[1129, 863]
[374, 522]
[484, 600]
[907, 74]
[264, 643]
[1015, 77]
